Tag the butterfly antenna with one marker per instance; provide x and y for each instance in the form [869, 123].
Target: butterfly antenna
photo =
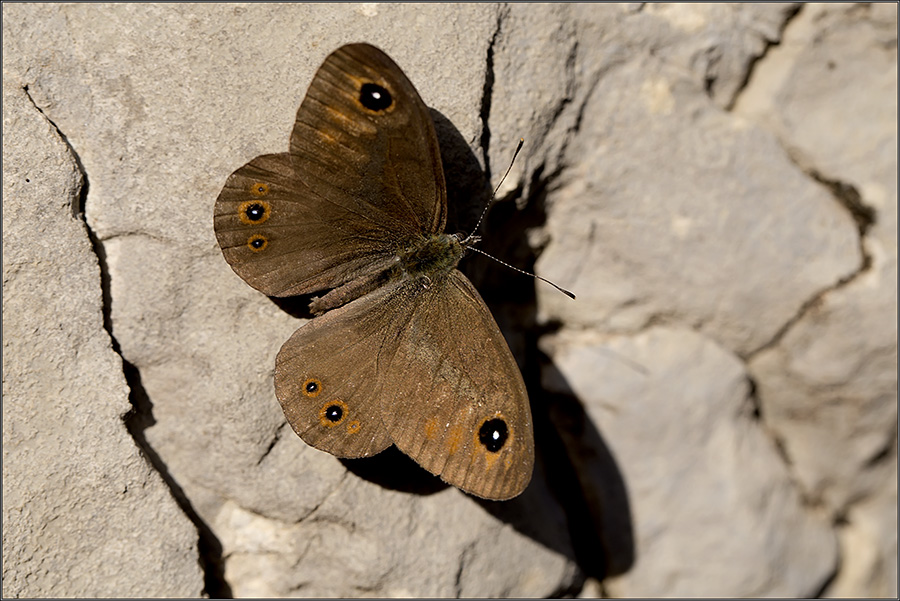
[491, 199]
[472, 238]
[534, 275]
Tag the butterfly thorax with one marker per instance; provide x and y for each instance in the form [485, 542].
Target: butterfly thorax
[430, 255]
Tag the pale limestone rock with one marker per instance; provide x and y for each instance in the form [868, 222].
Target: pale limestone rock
[84, 513]
[705, 485]
[868, 545]
[349, 548]
[700, 218]
[828, 387]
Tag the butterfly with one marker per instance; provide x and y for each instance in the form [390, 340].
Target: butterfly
[402, 349]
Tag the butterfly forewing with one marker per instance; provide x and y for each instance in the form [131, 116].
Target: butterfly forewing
[380, 140]
[271, 226]
[359, 183]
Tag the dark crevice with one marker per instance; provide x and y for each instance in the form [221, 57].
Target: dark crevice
[275, 438]
[140, 417]
[210, 549]
[756, 411]
[78, 204]
[888, 451]
[457, 582]
[486, 95]
[849, 197]
[792, 13]
[822, 590]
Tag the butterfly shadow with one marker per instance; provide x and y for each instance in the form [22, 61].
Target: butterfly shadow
[577, 503]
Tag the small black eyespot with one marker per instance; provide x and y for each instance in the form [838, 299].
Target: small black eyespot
[255, 212]
[493, 434]
[312, 387]
[374, 97]
[257, 242]
[334, 413]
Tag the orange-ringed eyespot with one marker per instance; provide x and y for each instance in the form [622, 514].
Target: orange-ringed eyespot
[374, 97]
[312, 387]
[259, 189]
[253, 212]
[257, 242]
[332, 413]
[493, 434]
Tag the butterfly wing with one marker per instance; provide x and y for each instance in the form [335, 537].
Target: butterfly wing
[425, 368]
[454, 397]
[362, 179]
[326, 375]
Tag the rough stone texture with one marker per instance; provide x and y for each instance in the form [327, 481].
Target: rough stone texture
[682, 213]
[828, 387]
[674, 409]
[84, 514]
[351, 546]
[717, 410]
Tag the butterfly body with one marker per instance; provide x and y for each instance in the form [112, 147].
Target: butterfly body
[403, 349]
[436, 254]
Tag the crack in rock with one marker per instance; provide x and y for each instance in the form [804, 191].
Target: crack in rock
[849, 197]
[486, 96]
[78, 206]
[751, 68]
[140, 417]
[275, 438]
[864, 216]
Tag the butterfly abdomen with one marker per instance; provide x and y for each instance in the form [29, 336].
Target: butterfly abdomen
[434, 254]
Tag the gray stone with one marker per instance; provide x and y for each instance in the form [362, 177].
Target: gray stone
[674, 409]
[357, 544]
[675, 224]
[828, 387]
[868, 548]
[84, 514]
[638, 187]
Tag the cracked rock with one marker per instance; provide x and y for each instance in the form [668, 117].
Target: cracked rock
[828, 388]
[84, 514]
[733, 319]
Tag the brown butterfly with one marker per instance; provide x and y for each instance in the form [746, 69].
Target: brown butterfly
[403, 349]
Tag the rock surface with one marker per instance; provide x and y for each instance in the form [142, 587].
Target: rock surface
[84, 514]
[716, 412]
[676, 409]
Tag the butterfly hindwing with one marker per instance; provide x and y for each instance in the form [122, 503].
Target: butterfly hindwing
[326, 376]
[457, 401]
